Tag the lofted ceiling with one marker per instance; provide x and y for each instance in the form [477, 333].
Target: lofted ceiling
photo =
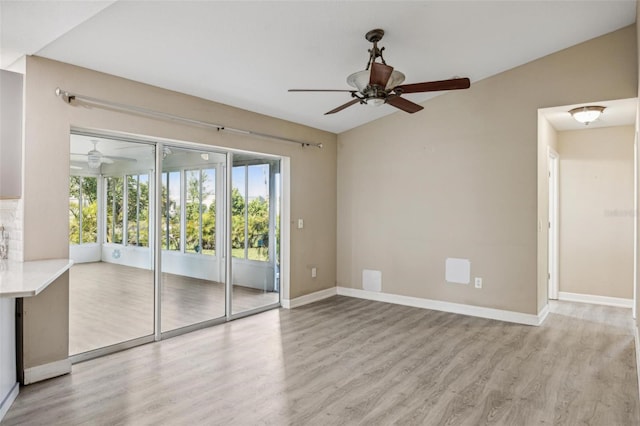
[248, 53]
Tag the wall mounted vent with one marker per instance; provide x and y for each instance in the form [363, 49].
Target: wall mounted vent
[371, 280]
[458, 270]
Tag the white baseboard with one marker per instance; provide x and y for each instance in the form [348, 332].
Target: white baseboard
[542, 315]
[47, 371]
[456, 308]
[6, 403]
[597, 300]
[308, 298]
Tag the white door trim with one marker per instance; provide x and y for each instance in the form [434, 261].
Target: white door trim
[553, 278]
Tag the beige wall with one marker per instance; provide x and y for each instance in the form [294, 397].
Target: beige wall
[46, 160]
[459, 179]
[596, 211]
[45, 325]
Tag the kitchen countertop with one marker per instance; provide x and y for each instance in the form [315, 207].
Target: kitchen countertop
[27, 279]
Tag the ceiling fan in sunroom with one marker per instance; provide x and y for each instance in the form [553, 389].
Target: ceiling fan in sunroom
[95, 158]
[380, 84]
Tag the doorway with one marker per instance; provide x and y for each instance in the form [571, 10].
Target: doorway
[586, 206]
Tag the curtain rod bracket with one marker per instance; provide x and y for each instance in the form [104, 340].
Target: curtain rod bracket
[67, 97]
[64, 95]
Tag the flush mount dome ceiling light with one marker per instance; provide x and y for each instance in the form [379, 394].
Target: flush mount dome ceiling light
[586, 114]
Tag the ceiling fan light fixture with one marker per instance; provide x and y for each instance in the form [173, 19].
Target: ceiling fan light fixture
[380, 83]
[94, 159]
[586, 114]
[359, 80]
[396, 79]
[374, 102]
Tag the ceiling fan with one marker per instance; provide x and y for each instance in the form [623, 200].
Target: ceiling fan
[380, 84]
[95, 158]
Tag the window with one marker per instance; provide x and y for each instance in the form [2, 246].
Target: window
[238, 213]
[83, 210]
[250, 212]
[170, 210]
[126, 210]
[200, 227]
[138, 210]
[115, 227]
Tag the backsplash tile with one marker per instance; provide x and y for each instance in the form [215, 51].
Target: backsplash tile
[11, 217]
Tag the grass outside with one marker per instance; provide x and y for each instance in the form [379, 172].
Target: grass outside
[252, 253]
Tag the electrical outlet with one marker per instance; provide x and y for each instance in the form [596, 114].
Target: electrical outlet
[478, 282]
[314, 272]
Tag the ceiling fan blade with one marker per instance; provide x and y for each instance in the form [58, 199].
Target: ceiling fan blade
[114, 157]
[341, 107]
[403, 104]
[107, 159]
[321, 90]
[434, 86]
[380, 74]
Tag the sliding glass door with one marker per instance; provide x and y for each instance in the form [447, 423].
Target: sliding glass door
[167, 238]
[192, 219]
[255, 232]
[111, 285]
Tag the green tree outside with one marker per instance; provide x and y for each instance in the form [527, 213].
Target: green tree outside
[85, 189]
[200, 239]
[138, 210]
[255, 215]
[171, 212]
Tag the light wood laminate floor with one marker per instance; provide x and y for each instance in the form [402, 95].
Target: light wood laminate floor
[345, 361]
[111, 303]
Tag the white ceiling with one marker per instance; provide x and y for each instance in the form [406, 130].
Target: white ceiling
[247, 54]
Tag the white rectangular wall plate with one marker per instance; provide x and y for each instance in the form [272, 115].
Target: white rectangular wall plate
[371, 280]
[457, 270]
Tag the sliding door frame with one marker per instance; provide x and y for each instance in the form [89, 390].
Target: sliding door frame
[226, 252]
